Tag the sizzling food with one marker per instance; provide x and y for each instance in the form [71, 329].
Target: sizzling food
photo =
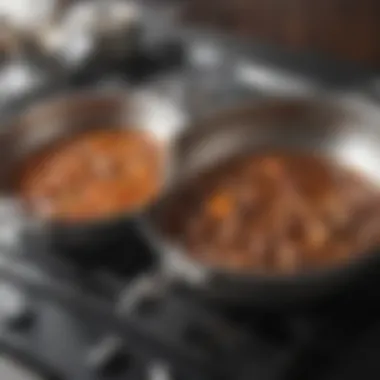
[93, 175]
[275, 213]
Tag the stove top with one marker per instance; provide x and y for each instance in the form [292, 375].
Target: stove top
[57, 318]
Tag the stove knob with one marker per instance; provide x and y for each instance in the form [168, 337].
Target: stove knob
[110, 357]
[15, 309]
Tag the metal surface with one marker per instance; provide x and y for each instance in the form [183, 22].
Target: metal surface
[346, 129]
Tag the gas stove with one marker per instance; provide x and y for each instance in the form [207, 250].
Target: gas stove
[61, 320]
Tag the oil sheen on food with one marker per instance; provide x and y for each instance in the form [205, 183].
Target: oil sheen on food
[92, 175]
[276, 213]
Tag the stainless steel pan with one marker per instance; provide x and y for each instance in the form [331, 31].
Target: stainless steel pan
[343, 128]
[63, 116]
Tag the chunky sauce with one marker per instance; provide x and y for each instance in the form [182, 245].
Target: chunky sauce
[275, 213]
[93, 175]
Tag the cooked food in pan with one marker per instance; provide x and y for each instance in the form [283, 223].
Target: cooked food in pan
[275, 213]
[92, 175]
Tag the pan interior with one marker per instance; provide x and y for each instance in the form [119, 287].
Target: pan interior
[349, 136]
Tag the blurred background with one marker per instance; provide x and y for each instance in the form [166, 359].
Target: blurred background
[344, 29]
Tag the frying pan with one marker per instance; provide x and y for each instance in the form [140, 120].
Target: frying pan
[345, 129]
[64, 115]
